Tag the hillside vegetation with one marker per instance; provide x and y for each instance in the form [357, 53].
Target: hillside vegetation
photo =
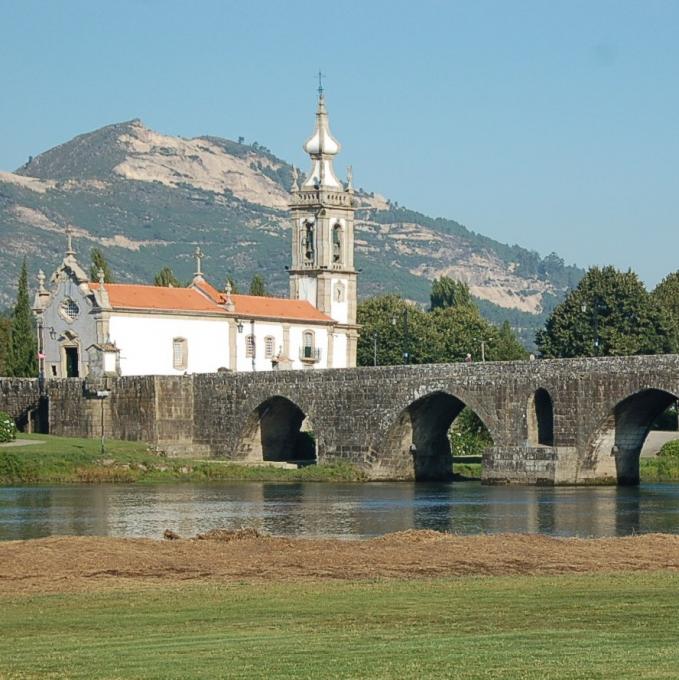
[147, 199]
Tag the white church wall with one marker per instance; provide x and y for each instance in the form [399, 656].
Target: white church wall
[146, 343]
[339, 355]
[261, 330]
[339, 309]
[297, 345]
[307, 289]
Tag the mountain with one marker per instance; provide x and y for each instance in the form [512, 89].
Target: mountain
[148, 199]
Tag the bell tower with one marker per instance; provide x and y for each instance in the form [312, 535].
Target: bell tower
[322, 270]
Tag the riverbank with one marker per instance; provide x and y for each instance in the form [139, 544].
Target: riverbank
[409, 605]
[48, 459]
[66, 460]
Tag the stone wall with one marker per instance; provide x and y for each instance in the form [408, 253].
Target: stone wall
[21, 398]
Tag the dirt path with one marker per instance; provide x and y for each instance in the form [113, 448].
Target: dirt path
[86, 563]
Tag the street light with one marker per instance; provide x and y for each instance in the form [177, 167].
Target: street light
[596, 308]
[406, 339]
[375, 336]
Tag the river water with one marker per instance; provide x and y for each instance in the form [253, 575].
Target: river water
[336, 510]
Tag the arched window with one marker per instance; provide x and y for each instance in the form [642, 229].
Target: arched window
[308, 345]
[180, 354]
[269, 345]
[308, 241]
[337, 243]
[249, 346]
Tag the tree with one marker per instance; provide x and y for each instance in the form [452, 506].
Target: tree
[393, 326]
[99, 262]
[257, 286]
[507, 346]
[459, 331]
[609, 313]
[446, 292]
[5, 335]
[166, 278]
[23, 346]
[666, 296]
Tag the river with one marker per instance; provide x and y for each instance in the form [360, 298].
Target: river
[336, 510]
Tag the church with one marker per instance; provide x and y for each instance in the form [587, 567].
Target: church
[106, 329]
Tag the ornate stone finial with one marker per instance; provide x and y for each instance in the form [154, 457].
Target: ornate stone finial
[199, 257]
[101, 277]
[228, 302]
[295, 179]
[69, 247]
[350, 178]
[41, 281]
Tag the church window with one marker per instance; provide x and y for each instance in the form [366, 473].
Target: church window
[69, 309]
[337, 243]
[339, 292]
[308, 344]
[249, 346]
[269, 344]
[180, 354]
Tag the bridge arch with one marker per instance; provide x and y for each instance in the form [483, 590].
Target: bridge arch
[540, 418]
[277, 429]
[416, 444]
[613, 449]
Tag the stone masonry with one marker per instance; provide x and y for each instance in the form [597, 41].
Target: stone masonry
[588, 425]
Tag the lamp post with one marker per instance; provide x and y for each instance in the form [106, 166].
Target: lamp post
[375, 336]
[406, 338]
[596, 308]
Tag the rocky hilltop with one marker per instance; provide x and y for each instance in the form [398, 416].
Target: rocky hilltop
[148, 199]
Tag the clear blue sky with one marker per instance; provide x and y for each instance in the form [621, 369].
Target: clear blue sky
[552, 124]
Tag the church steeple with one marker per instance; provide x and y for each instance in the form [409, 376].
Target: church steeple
[322, 270]
[322, 147]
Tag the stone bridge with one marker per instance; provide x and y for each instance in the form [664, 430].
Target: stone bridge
[564, 421]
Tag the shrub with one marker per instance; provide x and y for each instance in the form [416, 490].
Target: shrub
[8, 430]
[670, 450]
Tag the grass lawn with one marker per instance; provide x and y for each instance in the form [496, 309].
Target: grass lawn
[55, 460]
[587, 626]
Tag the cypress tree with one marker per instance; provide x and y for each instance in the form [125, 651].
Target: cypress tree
[257, 286]
[99, 262]
[23, 347]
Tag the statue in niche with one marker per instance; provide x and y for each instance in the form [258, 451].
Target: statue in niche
[339, 292]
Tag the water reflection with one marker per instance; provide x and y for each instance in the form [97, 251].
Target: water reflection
[336, 510]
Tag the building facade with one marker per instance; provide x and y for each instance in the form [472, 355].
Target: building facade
[97, 328]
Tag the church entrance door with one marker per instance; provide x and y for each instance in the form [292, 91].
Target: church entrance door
[72, 368]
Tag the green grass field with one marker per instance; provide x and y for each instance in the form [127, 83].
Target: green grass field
[57, 460]
[589, 626]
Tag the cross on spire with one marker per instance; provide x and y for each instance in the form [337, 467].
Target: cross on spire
[320, 83]
[199, 257]
[69, 236]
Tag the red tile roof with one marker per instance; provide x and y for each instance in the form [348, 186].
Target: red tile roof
[279, 308]
[133, 296]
